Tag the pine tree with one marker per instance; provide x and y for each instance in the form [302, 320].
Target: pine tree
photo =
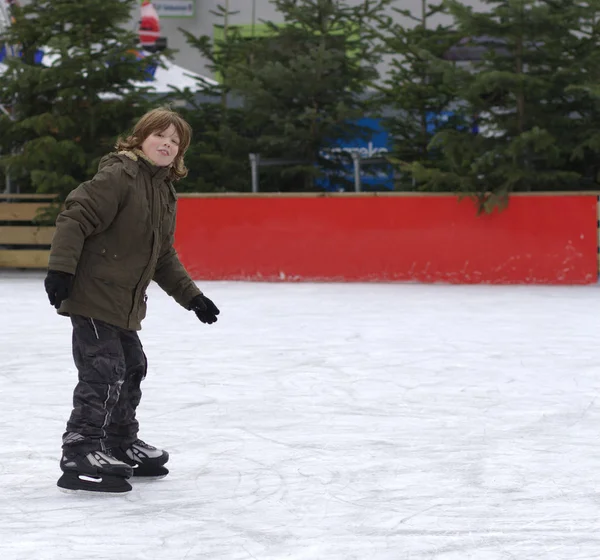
[419, 92]
[531, 118]
[66, 113]
[218, 156]
[306, 82]
[585, 93]
[285, 93]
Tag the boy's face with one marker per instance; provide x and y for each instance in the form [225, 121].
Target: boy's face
[162, 147]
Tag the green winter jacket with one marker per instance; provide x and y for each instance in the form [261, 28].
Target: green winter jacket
[116, 235]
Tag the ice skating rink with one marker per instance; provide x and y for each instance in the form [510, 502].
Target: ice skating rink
[323, 422]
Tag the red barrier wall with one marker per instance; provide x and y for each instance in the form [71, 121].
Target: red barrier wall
[542, 239]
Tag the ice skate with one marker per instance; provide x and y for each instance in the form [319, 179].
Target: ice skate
[145, 460]
[105, 484]
[96, 471]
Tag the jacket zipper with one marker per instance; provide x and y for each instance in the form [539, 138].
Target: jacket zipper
[146, 276]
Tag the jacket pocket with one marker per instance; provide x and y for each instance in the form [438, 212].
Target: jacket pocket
[114, 298]
[112, 268]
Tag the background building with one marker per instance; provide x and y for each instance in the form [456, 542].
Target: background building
[198, 17]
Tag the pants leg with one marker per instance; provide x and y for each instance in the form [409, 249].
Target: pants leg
[100, 359]
[123, 427]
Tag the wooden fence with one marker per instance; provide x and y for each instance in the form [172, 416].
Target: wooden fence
[23, 243]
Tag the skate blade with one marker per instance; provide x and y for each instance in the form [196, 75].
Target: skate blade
[154, 473]
[72, 483]
[142, 478]
[86, 493]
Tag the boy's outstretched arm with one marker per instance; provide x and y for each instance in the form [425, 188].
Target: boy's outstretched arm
[174, 279]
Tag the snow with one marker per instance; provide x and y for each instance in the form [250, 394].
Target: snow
[177, 76]
[323, 422]
[165, 78]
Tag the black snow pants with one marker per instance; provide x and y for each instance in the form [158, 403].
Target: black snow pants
[111, 365]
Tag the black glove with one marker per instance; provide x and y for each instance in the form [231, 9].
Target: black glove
[58, 286]
[204, 309]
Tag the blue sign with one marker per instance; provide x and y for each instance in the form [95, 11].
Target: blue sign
[37, 57]
[373, 142]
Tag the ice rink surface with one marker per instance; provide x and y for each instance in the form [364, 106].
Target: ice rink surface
[323, 422]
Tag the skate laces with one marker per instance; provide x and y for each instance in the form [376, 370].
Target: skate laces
[141, 443]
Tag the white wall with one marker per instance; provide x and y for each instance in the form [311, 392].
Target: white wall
[203, 21]
[202, 24]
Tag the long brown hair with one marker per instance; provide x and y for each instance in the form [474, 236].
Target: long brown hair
[158, 120]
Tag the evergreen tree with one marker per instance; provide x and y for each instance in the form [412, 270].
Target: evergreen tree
[585, 92]
[295, 89]
[63, 115]
[301, 85]
[218, 156]
[531, 118]
[419, 92]
[309, 82]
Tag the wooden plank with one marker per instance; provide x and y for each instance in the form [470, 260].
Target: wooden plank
[15, 196]
[26, 235]
[23, 211]
[24, 259]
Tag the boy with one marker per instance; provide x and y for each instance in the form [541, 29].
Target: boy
[114, 236]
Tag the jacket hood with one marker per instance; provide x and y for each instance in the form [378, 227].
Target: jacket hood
[128, 161]
[132, 161]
